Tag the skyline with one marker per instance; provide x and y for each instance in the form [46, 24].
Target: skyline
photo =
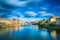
[29, 10]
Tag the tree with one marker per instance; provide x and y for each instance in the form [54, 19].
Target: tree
[52, 24]
[42, 23]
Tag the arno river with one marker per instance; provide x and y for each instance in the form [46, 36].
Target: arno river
[28, 32]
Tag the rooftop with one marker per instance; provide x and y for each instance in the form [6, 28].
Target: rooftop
[55, 17]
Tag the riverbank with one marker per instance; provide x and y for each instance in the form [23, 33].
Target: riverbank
[52, 28]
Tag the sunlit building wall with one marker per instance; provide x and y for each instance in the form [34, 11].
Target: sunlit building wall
[8, 22]
[55, 19]
[4, 22]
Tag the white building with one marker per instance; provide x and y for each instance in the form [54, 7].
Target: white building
[55, 19]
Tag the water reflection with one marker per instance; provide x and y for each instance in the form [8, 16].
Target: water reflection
[27, 32]
[53, 34]
[36, 27]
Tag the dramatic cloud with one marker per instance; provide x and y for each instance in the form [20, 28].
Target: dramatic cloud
[44, 7]
[20, 14]
[14, 2]
[29, 8]
[43, 13]
[31, 13]
[18, 3]
[30, 19]
[16, 14]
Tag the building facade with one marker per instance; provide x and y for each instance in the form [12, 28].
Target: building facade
[55, 19]
[7, 22]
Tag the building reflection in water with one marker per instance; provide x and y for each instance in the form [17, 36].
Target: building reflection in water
[43, 34]
[53, 34]
[36, 26]
[9, 29]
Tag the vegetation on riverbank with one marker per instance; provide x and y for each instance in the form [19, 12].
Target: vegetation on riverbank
[41, 23]
[50, 26]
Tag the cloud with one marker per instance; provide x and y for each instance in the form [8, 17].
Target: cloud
[35, 0]
[30, 19]
[15, 17]
[7, 7]
[19, 3]
[18, 14]
[14, 2]
[44, 13]
[43, 8]
[31, 13]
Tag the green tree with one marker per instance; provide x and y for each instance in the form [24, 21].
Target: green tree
[52, 24]
[42, 23]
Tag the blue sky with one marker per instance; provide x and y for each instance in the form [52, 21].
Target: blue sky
[29, 10]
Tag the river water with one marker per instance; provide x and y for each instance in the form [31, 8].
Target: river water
[28, 32]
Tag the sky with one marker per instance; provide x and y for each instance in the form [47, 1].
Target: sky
[29, 10]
